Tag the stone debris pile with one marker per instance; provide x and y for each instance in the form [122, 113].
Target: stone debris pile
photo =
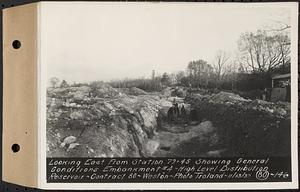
[132, 91]
[246, 125]
[100, 121]
[227, 99]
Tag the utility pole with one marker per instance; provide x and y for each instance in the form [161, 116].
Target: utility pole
[153, 74]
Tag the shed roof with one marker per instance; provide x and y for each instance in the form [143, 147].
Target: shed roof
[283, 76]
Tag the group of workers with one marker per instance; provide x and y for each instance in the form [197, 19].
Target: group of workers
[176, 113]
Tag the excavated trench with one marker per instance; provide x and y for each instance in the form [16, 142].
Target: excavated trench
[235, 127]
[137, 126]
[187, 140]
[186, 137]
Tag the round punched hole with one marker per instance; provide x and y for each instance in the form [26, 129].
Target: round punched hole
[16, 44]
[15, 148]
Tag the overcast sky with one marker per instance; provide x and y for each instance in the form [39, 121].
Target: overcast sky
[84, 42]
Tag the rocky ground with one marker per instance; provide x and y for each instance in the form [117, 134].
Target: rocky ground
[246, 127]
[101, 121]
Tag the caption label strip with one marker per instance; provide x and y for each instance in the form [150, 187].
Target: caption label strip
[122, 170]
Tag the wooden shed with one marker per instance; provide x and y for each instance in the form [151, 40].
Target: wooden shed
[281, 88]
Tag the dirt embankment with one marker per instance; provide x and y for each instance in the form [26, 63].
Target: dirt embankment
[100, 121]
[246, 127]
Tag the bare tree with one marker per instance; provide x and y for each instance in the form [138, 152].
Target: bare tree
[176, 77]
[200, 72]
[54, 81]
[262, 52]
[219, 65]
[179, 75]
[286, 26]
[281, 26]
[64, 83]
[165, 79]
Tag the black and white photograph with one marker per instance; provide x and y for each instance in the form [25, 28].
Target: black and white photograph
[165, 83]
[150, 95]
[152, 81]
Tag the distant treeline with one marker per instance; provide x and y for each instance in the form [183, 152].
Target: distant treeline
[142, 83]
[239, 81]
[261, 55]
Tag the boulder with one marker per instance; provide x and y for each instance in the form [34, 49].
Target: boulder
[68, 140]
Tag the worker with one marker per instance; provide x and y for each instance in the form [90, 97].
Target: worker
[182, 111]
[183, 114]
[177, 111]
[264, 95]
[171, 114]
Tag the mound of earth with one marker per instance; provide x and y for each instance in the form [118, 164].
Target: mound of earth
[227, 97]
[174, 92]
[247, 127]
[99, 121]
[103, 90]
[132, 91]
